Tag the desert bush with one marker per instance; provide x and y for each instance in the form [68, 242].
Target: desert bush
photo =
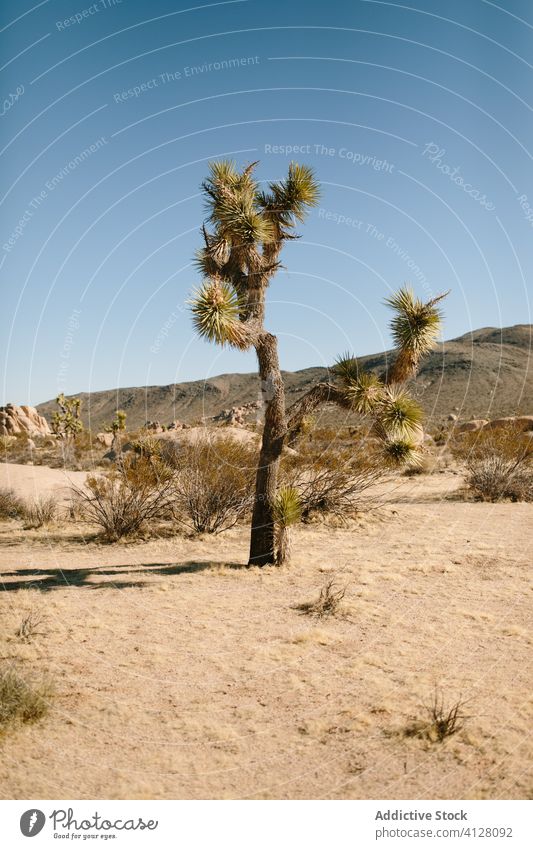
[443, 720]
[138, 491]
[20, 699]
[214, 483]
[334, 480]
[40, 511]
[31, 626]
[6, 443]
[327, 603]
[11, 506]
[17, 448]
[499, 463]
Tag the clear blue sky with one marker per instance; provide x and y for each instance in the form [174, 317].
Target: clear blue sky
[417, 118]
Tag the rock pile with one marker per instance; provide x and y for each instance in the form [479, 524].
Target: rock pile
[237, 415]
[524, 423]
[24, 419]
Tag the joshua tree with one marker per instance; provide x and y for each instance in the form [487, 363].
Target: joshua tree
[242, 242]
[118, 423]
[66, 421]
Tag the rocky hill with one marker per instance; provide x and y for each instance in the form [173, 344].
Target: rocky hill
[483, 374]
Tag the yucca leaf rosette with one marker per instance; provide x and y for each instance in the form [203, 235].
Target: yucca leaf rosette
[399, 416]
[401, 452]
[215, 308]
[287, 507]
[415, 329]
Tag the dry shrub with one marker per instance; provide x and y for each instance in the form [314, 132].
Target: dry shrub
[40, 511]
[444, 720]
[327, 603]
[138, 491]
[20, 699]
[31, 626]
[214, 483]
[499, 463]
[11, 506]
[16, 448]
[335, 479]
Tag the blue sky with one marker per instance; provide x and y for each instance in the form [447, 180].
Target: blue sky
[417, 118]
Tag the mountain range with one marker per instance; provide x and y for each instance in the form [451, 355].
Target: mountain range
[484, 374]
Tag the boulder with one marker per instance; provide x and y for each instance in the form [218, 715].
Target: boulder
[474, 424]
[23, 419]
[154, 427]
[105, 439]
[237, 416]
[525, 422]
[452, 417]
[521, 422]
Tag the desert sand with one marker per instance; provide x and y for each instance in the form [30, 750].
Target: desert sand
[179, 673]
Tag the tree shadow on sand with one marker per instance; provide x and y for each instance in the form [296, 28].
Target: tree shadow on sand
[54, 579]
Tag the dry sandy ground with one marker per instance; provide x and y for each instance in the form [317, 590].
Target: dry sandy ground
[181, 674]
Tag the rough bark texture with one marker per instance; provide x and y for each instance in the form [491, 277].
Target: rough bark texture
[283, 545]
[262, 541]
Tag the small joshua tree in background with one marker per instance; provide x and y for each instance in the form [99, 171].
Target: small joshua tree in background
[242, 242]
[66, 421]
[287, 512]
[118, 423]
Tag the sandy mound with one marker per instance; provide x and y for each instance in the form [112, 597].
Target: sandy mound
[35, 481]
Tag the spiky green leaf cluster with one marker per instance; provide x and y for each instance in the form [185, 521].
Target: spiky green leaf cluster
[365, 394]
[362, 391]
[401, 452]
[290, 198]
[238, 220]
[416, 325]
[287, 507]
[346, 368]
[400, 416]
[215, 309]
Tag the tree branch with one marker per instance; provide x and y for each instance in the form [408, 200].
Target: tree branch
[322, 393]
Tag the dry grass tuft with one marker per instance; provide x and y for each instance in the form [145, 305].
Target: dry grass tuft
[31, 625]
[22, 700]
[444, 720]
[327, 603]
[11, 506]
[40, 512]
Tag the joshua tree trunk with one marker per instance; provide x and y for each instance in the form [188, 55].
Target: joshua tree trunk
[275, 427]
